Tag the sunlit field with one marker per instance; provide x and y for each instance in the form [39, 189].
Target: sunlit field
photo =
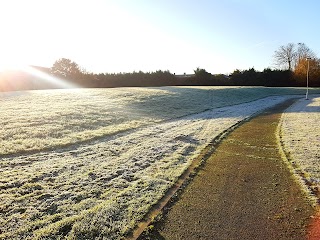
[89, 163]
[37, 120]
[301, 138]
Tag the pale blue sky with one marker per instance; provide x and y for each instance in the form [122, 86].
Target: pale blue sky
[148, 35]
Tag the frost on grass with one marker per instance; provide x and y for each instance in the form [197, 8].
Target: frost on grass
[37, 120]
[101, 189]
[301, 136]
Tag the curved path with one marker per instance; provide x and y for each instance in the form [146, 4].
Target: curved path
[244, 191]
[103, 188]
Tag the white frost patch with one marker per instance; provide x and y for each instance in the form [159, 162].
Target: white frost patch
[301, 136]
[107, 186]
[37, 120]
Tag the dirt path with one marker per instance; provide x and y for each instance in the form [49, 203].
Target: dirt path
[244, 191]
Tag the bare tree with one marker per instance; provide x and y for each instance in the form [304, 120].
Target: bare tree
[303, 52]
[285, 56]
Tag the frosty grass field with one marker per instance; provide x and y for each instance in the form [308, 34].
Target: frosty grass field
[301, 137]
[90, 163]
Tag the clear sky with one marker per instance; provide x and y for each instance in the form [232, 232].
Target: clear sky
[149, 35]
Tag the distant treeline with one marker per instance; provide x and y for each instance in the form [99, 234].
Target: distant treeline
[299, 60]
[270, 78]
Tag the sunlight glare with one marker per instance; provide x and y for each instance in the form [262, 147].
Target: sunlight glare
[57, 82]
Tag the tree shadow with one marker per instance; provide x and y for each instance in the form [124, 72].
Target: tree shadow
[178, 102]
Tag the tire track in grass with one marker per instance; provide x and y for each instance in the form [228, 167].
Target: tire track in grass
[244, 191]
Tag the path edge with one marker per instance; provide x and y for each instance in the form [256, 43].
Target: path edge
[297, 173]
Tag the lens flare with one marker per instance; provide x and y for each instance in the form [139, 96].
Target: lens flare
[31, 78]
[49, 79]
[314, 227]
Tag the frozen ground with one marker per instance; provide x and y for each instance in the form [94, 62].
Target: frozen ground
[103, 187]
[301, 136]
[38, 120]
